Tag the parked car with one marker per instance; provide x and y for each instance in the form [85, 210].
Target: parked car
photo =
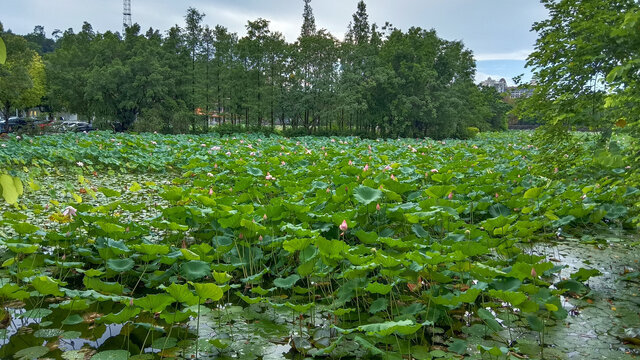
[12, 124]
[77, 126]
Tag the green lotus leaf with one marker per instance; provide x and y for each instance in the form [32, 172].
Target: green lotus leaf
[296, 244]
[195, 270]
[584, 274]
[254, 171]
[378, 305]
[120, 265]
[377, 288]
[73, 319]
[25, 228]
[152, 249]
[154, 303]
[22, 248]
[164, 343]
[514, 298]
[182, 294]
[300, 308]
[38, 313]
[103, 287]
[404, 327]
[439, 191]
[208, 291]
[366, 195]
[109, 193]
[31, 353]
[371, 349]
[533, 193]
[111, 355]
[249, 300]
[127, 313]
[9, 191]
[177, 317]
[48, 333]
[286, 283]
[221, 277]
[46, 286]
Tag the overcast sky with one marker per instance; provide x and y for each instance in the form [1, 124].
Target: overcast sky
[497, 31]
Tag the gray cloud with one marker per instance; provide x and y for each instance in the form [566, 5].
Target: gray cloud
[493, 29]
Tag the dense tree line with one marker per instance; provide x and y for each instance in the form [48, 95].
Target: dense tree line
[378, 81]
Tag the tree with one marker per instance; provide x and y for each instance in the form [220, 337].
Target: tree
[574, 53]
[308, 20]
[22, 77]
[358, 32]
[193, 36]
[39, 42]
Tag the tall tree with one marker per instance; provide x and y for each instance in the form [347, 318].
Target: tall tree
[193, 36]
[308, 20]
[22, 77]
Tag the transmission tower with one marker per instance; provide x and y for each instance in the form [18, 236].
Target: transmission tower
[126, 15]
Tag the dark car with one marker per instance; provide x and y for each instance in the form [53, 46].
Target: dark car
[14, 123]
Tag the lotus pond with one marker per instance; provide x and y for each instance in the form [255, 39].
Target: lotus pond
[117, 246]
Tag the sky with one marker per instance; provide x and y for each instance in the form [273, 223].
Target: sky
[497, 31]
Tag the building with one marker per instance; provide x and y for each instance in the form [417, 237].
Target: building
[499, 85]
[514, 92]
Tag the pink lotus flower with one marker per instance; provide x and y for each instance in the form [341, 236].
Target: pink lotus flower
[69, 211]
[209, 174]
[215, 166]
[393, 177]
[260, 238]
[210, 191]
[269, 177]
[350, 162]
[366, 167]
[154, 143]
[497, 195]
[264, 217]
[203, 145]
[344, 226]
[555, 171]
[228, 153]
[328, 190]
[434, 170]
[533, 272]
[377, 207]
[387, 167]
[283, 163]
[450, 196]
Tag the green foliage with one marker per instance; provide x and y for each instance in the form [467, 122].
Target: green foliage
[205, 235]
[372, 84]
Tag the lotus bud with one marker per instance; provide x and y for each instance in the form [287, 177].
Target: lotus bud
[533, 272]
[210, 191]
[378, 207]
[344, 225]
[264, 217]
[450, 196]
